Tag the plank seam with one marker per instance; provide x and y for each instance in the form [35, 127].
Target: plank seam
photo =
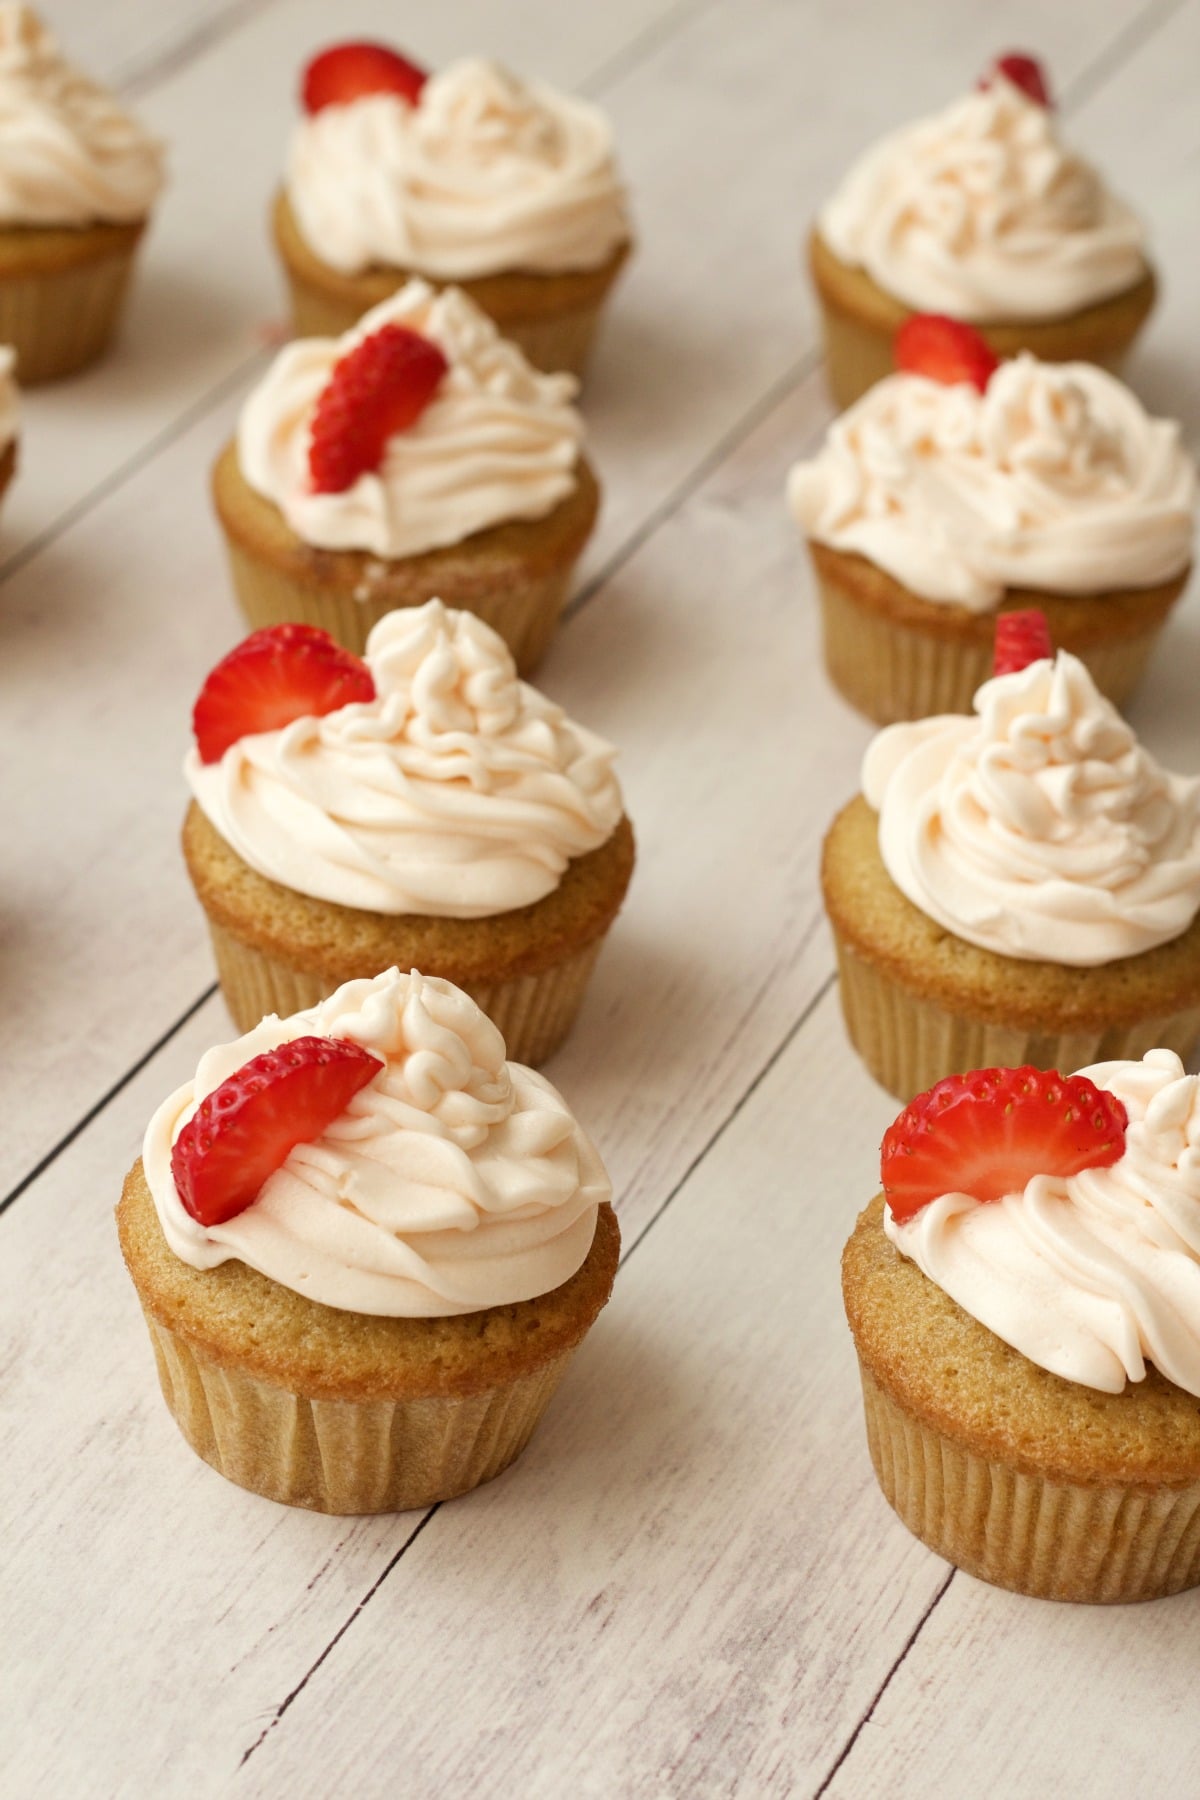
[882, 1689]
[300, 1686]
[1128, 41]
[134, 80]
[643, 44]
[94, 1112]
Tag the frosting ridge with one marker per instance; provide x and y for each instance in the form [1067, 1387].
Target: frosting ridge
[453, 1181]
[982, 212]
[486, 173]
[1054, 479]
[1039, 828]
[498, 440]
[458, 791]
[1093, 1275]
[69, 154]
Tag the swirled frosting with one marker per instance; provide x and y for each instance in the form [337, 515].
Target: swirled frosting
[485, 174]
[1039, 828]
[498, 440]
[1094, 1275]
[1056, 479]
[983, 213]
[69, 155]
[452, 1182]
[458, 791]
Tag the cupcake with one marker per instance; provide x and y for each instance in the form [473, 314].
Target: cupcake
[505, 188]
[956, 489]
[9, 417]
[424, 807]
[1020, 885]
[1025, 1302]
[366, 1247]
[418, 456]
[981, 213]
[78, 178]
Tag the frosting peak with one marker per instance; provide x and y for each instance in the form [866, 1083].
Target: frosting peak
[1040, 828]
[1055, 479]
[452, 1182]
[485, 174]
[1091, 1275]
[498, 440]
[458, 791]
[983, 213]
[69, 155]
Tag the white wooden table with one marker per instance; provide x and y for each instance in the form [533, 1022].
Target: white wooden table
[690, 1585]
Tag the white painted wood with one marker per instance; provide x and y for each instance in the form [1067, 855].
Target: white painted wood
[690, 1586]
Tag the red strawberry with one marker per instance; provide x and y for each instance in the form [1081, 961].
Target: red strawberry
[943, 350]
[347, 72]
[1025, 72]
[380, 387]
[985, 1134]
[1021, 638]
[281, 673]
[248, 1127]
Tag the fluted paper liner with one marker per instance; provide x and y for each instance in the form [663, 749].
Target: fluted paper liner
[59, 321]
[526, 615]
[908, 1043]
[891, 670]
[1055, 1540]
[346, 1456]
[533, 1013]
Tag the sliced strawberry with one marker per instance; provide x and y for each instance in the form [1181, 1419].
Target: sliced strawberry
[248, 1127]
[380, 387]
[1024, 72]
[943, 350]
[278, 674]
[347, 72]
[986, 1134]
[1021, 638]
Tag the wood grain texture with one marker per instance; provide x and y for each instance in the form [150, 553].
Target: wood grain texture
[690, 1585]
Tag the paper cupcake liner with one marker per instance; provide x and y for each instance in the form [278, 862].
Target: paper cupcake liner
[346, 1456]
[526, 614]
[1055, 1540]
[61, 321]
[908, 1043]
[533, 1013]
[890, 670]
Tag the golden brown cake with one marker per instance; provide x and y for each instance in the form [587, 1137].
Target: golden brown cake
[61, 292]
[315, 1342]
[552, 317]
[860, 321]
[279, 951]
[515, 576]
[1016, 1475]
[920, 1003]
[894, 655]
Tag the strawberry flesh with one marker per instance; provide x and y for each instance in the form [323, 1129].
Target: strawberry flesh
[1024, 72]
[248, 1127]
[988, 1133]
[943, 349]
[278, 674]
[1021, 638]
[348, 72]
[379, 388]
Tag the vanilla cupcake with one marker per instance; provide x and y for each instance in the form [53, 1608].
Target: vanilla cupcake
[424, 807]
[932, 506]
[469, 176]
[78, 179]
[366, 1247]
[1025, 1303]
[981, 213]
[1017, 886]
[417, 456]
